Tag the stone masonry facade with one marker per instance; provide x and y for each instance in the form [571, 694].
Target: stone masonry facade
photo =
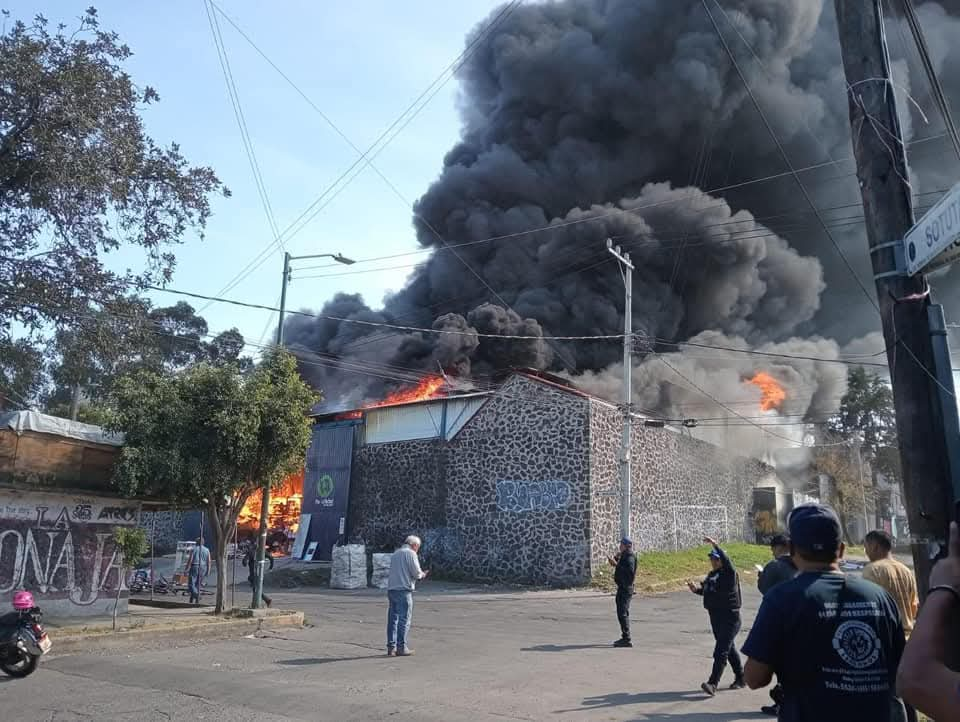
[682, 489]
[528, 490]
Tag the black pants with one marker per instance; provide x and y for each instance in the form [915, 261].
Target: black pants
[263, 596]
[623, 611]
[726, 626]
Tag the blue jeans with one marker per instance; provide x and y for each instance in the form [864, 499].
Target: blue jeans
[399, 617]
[194, 585]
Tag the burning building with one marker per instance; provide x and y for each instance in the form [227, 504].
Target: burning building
[518, 482]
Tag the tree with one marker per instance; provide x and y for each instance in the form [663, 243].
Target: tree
[867, 413]
[131, 543]
[80, 178]
[837, 461]
[21, 367]
[94, 352]
[210, 437]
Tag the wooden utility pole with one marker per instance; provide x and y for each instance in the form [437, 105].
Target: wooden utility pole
[903, 300]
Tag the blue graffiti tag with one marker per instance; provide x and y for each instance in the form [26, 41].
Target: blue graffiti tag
[524, 496]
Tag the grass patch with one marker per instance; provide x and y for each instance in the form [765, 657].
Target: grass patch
[666, 571]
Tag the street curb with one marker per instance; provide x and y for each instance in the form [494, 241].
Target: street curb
[188, 632]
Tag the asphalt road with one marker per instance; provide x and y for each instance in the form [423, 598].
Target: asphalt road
[481, 656]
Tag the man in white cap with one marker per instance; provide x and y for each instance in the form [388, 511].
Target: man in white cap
[405, 572]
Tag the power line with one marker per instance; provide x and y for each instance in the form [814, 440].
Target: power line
[910, 12]
[718, 402]
[409, 113]
[245, 136]
[803, 189]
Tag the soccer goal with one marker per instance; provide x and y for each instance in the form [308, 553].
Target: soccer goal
[692, 523]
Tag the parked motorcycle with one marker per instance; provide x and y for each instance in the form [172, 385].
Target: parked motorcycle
[22, 637]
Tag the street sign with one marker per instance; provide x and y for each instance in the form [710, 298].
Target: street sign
[934, 241]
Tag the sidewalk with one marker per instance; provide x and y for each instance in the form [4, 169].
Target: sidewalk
[143, 625]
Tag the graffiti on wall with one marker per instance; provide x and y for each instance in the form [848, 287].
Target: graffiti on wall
[526, 496]
[61, 547]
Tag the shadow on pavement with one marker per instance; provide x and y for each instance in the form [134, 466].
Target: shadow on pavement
[701, 717]
[309, 661]
[564, 647]
[618, 699]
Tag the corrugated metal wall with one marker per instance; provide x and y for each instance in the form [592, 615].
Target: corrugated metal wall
[420, 421]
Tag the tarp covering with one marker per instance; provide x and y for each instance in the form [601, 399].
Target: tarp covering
[38, 423]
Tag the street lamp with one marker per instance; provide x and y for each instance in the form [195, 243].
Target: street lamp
[338, 257]
[265, 493]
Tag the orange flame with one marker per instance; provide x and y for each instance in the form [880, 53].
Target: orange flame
[284, 506]
[429, 388]
[772, 394]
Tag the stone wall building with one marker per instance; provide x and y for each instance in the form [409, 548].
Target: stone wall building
[521, 483]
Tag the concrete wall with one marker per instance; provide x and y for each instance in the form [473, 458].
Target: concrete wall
[682, 488]
[60, 547]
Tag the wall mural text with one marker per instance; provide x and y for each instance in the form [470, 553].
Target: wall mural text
[526, 496]
[61, 547]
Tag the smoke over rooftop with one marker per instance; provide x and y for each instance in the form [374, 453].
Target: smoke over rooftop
[626, 119]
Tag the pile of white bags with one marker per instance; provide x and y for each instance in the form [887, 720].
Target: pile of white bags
[381, 570]
[349, 567]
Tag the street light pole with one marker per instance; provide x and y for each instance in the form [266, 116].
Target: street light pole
[625, 466]
[265, 491]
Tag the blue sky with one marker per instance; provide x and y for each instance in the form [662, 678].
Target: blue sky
[362, 63]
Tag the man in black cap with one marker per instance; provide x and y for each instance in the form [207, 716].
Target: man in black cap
[624, 575]
[834, 641]
[721, 598]
[780, 569]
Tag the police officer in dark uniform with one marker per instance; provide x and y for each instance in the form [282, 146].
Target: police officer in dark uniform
[624, 575]
[780, 569]
[721, 598]
[834, 641]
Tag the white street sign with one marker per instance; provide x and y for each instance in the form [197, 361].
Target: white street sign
[934, 241]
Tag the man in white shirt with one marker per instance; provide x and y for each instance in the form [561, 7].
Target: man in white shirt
[405, 572]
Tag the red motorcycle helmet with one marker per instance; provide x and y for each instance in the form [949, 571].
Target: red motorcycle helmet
[23, 601]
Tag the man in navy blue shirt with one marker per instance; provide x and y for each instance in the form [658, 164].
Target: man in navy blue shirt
[834, 641]
[721, 598]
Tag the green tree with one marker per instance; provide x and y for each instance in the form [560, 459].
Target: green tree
[80, 178]
[21, 373]
[867, 413]
[104, 346]
[131, 543]
[210, 437]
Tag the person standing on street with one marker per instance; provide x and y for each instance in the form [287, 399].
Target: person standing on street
[722, 600]
[405, 572]
[894, 576]
[624, 575]
[834, 641]
[198, 567]
[780, 569]
[925, 678]
[250, 561]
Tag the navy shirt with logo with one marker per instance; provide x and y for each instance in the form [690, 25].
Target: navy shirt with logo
[835, 642]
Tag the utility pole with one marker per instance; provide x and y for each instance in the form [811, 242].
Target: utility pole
[903, 300]
[626, 268]
[263, 530]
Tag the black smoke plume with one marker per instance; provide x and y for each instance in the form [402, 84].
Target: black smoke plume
[626, 119]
